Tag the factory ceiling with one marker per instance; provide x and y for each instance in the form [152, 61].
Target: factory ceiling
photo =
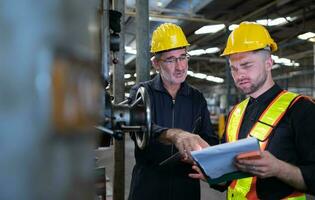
[294, 57]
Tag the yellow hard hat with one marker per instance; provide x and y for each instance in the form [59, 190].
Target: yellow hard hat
[168, 36]
[249, 36]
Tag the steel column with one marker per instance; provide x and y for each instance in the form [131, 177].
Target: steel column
[313, 86]
[142, 37]
[105, 40]
[119, 95]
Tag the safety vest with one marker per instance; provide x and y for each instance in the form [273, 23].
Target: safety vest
[245, 188]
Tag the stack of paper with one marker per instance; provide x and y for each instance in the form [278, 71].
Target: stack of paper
[217, 161]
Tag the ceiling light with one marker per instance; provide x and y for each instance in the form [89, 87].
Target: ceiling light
[215, 79]
[212, 50]
[232, 27]
[307, 36]
[163, 19]
[296, 64]
[126, 76]
[197, 52]
[130, 83]
[210, 29]
[130, 50]
[276, 22]
[200, 75]
[284, 61]
[190, 73]
[205, 76]
[159, 3]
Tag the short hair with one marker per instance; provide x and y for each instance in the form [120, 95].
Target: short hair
[265, 52]
[158, 55]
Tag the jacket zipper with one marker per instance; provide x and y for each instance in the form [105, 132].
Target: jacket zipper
[172, 150]
[173, 122]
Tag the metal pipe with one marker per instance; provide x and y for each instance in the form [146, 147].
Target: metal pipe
[252, 14]
[209, 59]
[105, 39]
[193, 19]
[106, 130]
[292, 74]
[300, 55]
[313, 71]
[166, 10]
[142, 40]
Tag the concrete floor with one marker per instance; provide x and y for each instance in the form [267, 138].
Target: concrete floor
[105, 158]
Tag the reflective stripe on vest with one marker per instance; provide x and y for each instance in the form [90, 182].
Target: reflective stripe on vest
[246, 188]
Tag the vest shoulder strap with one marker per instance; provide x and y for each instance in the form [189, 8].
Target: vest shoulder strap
[234, 121]
[272, 115]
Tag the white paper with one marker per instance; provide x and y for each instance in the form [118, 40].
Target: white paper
[218, 160]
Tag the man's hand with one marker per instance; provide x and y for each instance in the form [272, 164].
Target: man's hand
[269, 166]
[184, 141]
[198, 174]
[265, 166]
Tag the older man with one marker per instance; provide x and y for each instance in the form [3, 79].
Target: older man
[177, 111]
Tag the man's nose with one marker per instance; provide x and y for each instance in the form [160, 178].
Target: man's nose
[240, 72]
[180, 65]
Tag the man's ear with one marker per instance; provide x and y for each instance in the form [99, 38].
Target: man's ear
[269, 63]
[155, 63]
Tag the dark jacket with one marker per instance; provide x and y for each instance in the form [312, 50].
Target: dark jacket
[188, 112]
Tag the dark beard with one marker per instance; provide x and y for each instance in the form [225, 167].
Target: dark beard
[254, 87]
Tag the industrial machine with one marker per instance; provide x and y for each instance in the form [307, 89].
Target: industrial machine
[131, 115]
[128, 116]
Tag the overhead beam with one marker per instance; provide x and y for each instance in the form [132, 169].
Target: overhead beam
[192, 19]
[300, 54]
[201, 5]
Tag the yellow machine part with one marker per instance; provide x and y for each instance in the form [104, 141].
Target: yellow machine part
[221, 125]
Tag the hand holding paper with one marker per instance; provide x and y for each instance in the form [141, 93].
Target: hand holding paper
[217, 162]
[249, 155]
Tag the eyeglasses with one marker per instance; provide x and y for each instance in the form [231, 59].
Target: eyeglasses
[173, 60]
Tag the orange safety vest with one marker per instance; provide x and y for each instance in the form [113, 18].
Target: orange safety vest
[245, 188]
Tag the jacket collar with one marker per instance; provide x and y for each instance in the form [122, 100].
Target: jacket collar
[158, 85]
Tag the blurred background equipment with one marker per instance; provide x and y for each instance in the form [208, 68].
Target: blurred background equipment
[50, 98]
[52, 95]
